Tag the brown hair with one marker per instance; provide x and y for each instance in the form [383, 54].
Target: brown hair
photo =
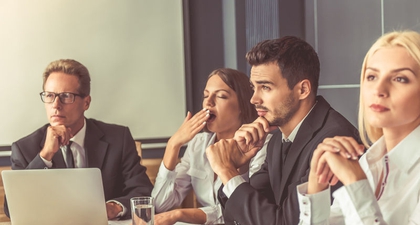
[71, 67]
[296, 59]
[239, 83]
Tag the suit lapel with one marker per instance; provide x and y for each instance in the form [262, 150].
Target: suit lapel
[312, 123]
[95, 148]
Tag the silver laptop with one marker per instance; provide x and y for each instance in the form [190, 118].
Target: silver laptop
[56, 196]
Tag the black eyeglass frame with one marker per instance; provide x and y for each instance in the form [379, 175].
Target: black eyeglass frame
[58, 95]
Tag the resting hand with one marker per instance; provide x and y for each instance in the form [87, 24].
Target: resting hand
[225, 157]
[189, 128]
[112, 210]
[56, 136]
[320, 175]
[251, 137]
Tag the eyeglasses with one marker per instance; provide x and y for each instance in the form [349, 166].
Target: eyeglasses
[65, 97]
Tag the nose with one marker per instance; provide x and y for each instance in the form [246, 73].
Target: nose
[56, 104]
[255, 99]
[208, 102]
[380, 88]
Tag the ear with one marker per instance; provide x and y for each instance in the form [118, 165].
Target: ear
[304, 89]
[87, 102]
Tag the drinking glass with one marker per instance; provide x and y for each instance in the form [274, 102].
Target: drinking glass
[142, 210]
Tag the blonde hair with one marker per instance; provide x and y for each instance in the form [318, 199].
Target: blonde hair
[71, 67]
[410, 40]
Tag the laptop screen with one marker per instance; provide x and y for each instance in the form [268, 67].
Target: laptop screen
[55, 196]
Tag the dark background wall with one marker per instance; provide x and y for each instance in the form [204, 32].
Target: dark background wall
[340, 31]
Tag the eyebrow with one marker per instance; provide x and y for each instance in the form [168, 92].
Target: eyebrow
[218, 90]
[263, 82]
[394, 71]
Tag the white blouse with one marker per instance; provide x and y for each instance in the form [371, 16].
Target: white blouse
[356, 203]
[194, 171]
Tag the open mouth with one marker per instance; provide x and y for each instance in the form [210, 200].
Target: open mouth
[212, 117]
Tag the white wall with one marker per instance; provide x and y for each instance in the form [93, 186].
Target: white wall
[133, 50]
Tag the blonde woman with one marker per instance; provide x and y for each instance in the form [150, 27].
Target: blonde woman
[383, 187]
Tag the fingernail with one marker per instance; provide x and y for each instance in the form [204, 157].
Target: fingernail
[204, 122]
[208, 111]
[204, 109]
[355, 158]
[348, 155]
[336, 149]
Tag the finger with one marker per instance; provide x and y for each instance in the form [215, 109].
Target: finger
[243, 134]
[254, 132]
[266, 125]
[200, 116]
[315, 158]
[261, 127]
[188, 117]
[329, 175]
[347, 145]
[199, 127]
[334, 180]
[322, 164]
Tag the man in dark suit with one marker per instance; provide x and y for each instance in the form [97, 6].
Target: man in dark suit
[72, 141]
[284, 75]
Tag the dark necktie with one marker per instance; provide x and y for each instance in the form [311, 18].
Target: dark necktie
[69, 156]
[285, 146]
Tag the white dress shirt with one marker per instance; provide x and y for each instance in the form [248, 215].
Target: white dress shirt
[194, 171]
[357, 204]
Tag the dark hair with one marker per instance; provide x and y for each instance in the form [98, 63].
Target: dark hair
[71, 67]
[296, 59]
[239, 83]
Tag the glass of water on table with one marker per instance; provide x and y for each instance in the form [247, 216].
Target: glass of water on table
[142, 210]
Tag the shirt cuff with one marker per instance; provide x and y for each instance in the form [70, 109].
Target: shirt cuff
[232, 184]
[211, 212]
[360, 203]
[47, 163]
[314, 208]
[123, 212]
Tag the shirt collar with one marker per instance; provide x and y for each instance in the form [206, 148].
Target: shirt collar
[405, 155]
[79, 138]
[293, 134]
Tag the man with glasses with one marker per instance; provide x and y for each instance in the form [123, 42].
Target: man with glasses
[72, 141]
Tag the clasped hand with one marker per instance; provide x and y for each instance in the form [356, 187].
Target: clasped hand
[335, 159]
[226, 156]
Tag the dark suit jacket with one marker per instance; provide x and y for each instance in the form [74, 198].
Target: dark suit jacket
[109, 147]
[270, 196]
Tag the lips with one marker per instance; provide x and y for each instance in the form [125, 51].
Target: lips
[261, 112]
[57, 117]
[378, 108]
